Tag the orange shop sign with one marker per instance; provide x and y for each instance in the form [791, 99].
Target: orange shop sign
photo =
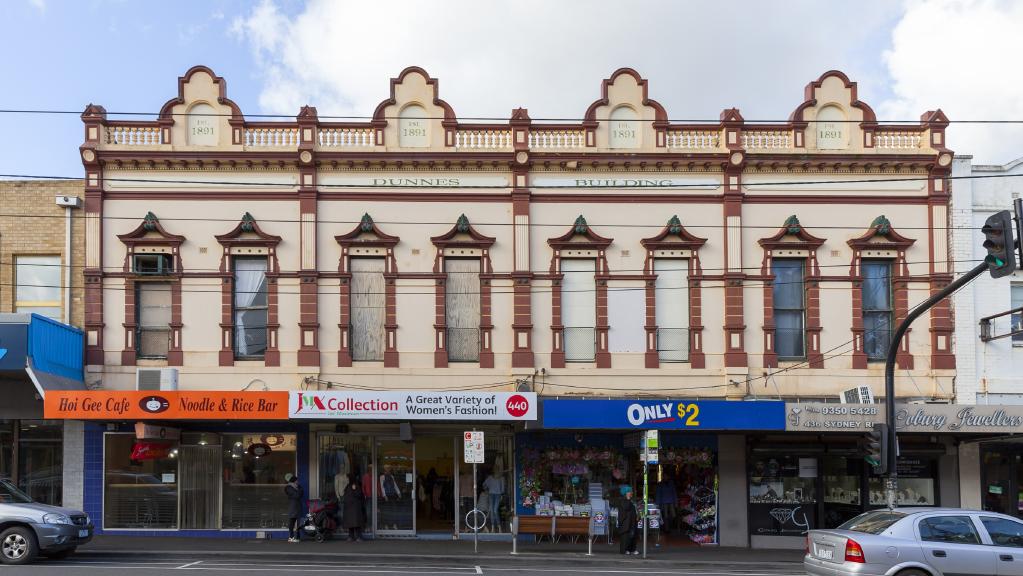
[177, 405]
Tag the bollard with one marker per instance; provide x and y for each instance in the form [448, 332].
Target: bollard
[589, 540]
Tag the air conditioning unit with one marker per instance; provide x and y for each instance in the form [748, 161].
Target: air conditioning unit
[151, 379]
[857, 395]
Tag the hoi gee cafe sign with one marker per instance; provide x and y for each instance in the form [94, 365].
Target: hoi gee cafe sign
[952, 418]
[165, 405]
[413, 405]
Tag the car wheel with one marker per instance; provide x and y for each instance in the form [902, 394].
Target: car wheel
[912, 572]
[60, 554]
[18, 546]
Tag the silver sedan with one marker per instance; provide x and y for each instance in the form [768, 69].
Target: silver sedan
[918, 542]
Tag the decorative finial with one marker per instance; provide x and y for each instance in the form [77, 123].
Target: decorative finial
[248, 223]
[367, 223]
[674, 225]
[463, 224]
[882, 224]
[580, 225]
[792, 225]
[149, 222]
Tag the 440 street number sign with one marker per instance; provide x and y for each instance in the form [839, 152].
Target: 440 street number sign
[664, 414]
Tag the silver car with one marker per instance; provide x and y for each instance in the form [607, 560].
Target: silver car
[918, 542]
[30, 528]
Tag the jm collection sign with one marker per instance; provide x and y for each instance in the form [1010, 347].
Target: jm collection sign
[413, 405]
[952, 418]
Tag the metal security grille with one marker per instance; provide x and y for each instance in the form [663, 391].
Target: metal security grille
[154, 316]
[462, 309]
[673, 344]
[200, 487]
[368, 309]
[580, 344]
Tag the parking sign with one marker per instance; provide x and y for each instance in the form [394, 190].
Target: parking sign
[473, 447]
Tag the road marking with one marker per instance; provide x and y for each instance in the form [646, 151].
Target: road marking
[479, 570]
[182, 567]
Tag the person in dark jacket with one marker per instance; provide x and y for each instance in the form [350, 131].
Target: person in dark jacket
[293, 490]
[353, 510]
[628, 517]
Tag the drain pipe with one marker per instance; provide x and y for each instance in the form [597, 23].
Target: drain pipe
[69, 203]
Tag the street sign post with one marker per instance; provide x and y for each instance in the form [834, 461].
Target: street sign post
[475, 454]
[650, 447]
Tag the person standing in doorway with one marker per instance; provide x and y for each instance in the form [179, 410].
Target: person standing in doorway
[294, 492]
[367, 491]
[628, 517]
[390, 495]
[494, 485]
[353, 506]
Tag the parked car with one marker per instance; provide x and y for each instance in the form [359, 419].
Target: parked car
[29, 528]
[918, 542]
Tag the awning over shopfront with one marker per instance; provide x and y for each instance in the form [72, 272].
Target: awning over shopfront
[37, 356]
[924, 418]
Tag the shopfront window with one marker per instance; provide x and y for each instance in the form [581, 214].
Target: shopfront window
[782, 495]
[916, 484]
[40, 458]
[6, 449]
[842, 477]
[254, 466]
[140, 479]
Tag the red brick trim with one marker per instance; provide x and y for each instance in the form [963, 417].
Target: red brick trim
[793, 236]
[674, 236]
[462, 236]
[248, 234]
[880, 236]
[591, 241]
[367, 234]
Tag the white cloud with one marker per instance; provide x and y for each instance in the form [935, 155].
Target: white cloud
[960, 56]
[495, 55]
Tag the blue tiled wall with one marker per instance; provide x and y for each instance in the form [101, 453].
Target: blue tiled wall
[94, 475]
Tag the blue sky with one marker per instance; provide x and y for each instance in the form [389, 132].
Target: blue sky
[494, 55]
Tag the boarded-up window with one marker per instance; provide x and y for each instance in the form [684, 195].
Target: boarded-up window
[671, 293]
[462, 309]
[368, 309]
[154, 310]
[579, 309]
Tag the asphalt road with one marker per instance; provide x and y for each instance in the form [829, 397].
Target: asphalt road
[156, 566]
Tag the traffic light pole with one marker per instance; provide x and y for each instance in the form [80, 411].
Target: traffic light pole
[891, 485]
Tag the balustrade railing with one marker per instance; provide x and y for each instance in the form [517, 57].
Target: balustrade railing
[552, 139]
[897, 140]
[761, 139]
[265, 137]
[134, 135]
[347, 137]
[693, 139]
[483, 139]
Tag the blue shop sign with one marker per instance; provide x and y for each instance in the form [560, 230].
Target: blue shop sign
[664, 414]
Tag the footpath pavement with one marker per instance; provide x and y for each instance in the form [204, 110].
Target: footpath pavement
[400, 550]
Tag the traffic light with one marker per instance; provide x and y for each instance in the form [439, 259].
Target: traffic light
[1001, 249]
[877, 448]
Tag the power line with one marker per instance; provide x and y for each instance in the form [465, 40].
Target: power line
[509, 187]
[710, 122]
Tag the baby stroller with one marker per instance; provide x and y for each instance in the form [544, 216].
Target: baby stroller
[321, 521]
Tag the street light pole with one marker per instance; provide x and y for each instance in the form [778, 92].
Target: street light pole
[891, 484]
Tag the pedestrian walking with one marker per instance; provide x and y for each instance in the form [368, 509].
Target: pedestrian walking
[294, 492]
[353, 511]
[628, 517]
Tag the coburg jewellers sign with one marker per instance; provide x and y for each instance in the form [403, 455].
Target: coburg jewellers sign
[950, 418]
